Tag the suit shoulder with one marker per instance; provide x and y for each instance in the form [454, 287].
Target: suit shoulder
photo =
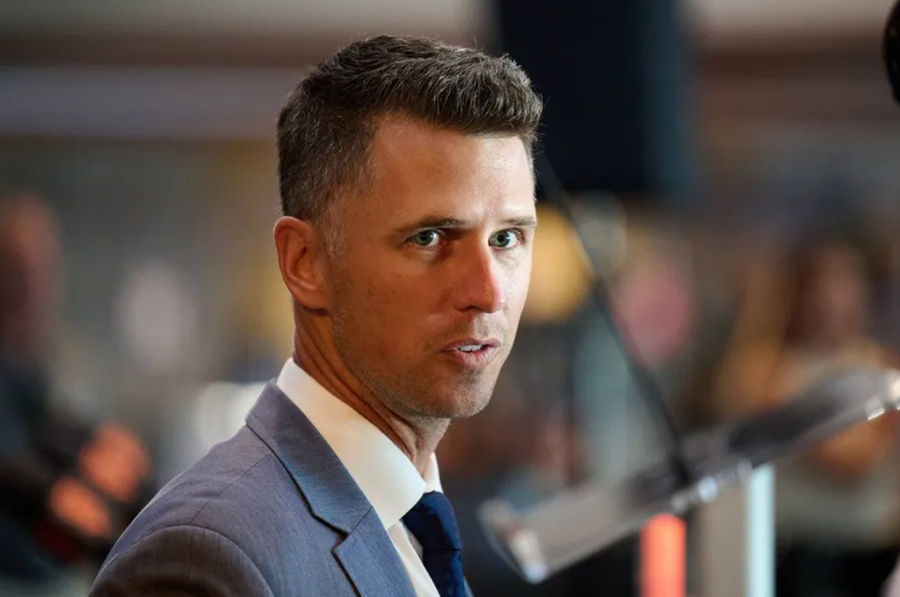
[240, 496]
[181, 560]
[240, 490]
[236, 486]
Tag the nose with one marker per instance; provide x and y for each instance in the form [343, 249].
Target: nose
[478, 283]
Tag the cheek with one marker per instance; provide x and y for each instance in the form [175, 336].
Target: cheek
[518, 281]
[381, 308]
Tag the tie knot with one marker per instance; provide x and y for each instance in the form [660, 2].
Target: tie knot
[433, 524]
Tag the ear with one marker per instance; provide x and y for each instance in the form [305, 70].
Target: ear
[301, 254]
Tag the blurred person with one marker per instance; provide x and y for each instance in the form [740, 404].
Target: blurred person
[66, 487]
[837, 507]
[408, 198]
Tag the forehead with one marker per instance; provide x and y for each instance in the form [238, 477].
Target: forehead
[416, 166]
[406, 138]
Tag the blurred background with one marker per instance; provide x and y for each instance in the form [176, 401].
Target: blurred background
[734, 164]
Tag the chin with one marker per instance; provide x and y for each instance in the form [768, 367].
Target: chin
[463, 403]
[440, 397]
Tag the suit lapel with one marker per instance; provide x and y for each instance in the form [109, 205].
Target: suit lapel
[370, 560]
[366, 554]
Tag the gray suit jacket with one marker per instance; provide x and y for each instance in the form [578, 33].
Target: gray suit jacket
[271, 511]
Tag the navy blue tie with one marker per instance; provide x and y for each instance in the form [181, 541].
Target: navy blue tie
[432, 523]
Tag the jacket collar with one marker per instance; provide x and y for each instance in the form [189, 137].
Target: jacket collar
[366, 553]
[329, 489]
[384, 473]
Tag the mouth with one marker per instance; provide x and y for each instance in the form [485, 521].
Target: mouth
[472, 353]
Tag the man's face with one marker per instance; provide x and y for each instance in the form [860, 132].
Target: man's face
[432, 265]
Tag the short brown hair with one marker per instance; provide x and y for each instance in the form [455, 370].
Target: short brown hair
[328, 121]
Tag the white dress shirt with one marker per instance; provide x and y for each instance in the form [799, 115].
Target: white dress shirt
[385, 475]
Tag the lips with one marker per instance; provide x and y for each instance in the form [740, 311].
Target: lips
[472, 353]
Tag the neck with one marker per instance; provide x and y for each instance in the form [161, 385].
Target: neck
[315, 353]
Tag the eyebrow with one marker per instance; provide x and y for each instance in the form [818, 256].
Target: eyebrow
[524, 222]
[444, 222]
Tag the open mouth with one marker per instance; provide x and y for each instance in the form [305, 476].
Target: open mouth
[470, 347]
[473, 353]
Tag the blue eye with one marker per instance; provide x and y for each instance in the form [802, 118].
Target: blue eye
[425, 238]
[505, 239]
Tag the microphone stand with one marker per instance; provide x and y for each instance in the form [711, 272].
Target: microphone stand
[647, 387]
[568, 527]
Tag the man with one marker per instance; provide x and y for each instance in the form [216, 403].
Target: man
[407, 189]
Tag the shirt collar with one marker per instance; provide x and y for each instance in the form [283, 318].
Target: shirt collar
[385, 475]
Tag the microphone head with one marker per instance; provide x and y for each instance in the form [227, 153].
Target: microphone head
[892, 49]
